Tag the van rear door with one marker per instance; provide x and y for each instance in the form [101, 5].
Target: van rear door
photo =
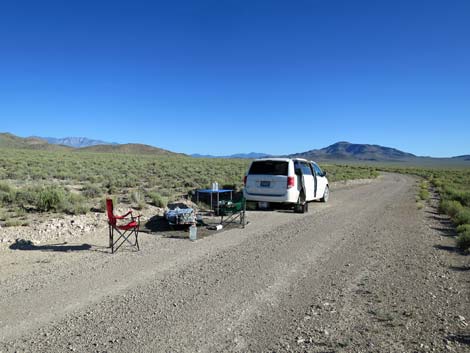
[304, 172]
[267, 177]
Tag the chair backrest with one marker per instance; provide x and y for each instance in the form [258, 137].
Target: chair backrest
[110, 211]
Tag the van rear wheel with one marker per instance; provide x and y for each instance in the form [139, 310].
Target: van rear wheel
[301, 206]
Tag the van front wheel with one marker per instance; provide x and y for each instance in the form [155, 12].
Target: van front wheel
[326, 195]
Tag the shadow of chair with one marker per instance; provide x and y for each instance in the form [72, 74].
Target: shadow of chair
[28, 245]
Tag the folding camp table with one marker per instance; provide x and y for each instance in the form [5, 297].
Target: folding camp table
[211, 192]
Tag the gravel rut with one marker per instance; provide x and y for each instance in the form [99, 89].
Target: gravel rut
[366, 272]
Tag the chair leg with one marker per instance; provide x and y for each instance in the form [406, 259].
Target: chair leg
[111, 239]
[123, 238]
[136, 239]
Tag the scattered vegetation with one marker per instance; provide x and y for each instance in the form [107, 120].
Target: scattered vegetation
[61, 181]
[424, 190]
[338, 172]
[453, 186]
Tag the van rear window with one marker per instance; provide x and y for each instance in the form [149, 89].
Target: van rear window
[269, 168]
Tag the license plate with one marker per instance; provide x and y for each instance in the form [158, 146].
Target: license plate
[265, 184]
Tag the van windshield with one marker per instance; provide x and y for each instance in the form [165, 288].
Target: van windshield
[269, 168]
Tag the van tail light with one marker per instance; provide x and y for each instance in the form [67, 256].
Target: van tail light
[244, 180]
[290, 182]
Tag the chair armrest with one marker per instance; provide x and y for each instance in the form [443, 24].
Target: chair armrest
[124, 215]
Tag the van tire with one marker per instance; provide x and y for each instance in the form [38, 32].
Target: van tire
[326, 195]
[301, 207]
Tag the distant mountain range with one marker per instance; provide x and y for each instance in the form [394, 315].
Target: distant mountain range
[8, 140]
[337, 152]
[76, 142]
[251, 155]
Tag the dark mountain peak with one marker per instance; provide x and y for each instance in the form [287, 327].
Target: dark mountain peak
[364, 151]
[344, 150]
[465, 157]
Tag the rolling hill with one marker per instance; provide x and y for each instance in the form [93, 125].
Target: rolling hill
[8, 140]
[128, 148]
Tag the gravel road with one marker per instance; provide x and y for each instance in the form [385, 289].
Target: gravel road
[366, 272]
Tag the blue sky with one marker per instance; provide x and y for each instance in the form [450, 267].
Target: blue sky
[221, 77]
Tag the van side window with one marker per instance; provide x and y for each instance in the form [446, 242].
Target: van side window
[297, 168]
[318, 171]
[306, 169]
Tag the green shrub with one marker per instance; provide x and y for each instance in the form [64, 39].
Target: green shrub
[423, 194]
[76, 204]
[458, 195]
[450, 207]
[91, 190]
[4, 187]
[51, 198]
[463, 240]
[138, 200]
[7, 194]
[157, 199]
[463, 228]
[438, 183]
[27, 197]
[462, 217]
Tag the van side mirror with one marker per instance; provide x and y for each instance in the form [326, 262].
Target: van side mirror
[324, 173]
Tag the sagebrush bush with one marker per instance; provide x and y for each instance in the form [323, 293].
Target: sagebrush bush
[157, 199]
[450, 207]
[463, 228]
[76, 204]
[91, 190]
[462, 196]
[138, 200]
[27, 197]
[4, 187]
[463, 240]
[424, 194]
[462, 217]
[51, 198]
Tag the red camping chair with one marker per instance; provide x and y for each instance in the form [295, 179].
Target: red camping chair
[125, 231]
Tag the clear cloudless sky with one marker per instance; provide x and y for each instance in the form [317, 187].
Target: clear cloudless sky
[221, 77]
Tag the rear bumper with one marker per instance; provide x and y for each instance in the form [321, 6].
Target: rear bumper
[291, 196]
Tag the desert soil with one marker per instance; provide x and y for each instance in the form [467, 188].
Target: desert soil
[366, 272]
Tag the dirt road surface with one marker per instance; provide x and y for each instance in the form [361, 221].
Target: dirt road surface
[366, 272]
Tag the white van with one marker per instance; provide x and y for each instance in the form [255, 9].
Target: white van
[293, 181]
